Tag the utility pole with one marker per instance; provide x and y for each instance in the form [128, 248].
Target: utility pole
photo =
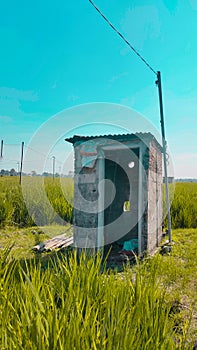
[53, 166]
[60, 171]
[1, 156]
[21, 167]
[164, 144]
[17, 167]
[158, 82]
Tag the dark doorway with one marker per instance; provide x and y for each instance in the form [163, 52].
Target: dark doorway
[121, 215]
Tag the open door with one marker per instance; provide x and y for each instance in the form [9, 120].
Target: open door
[121, 215]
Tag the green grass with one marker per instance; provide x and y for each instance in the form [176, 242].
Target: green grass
[57, 302]
[178, 272]
[39, 201]
[183, 206]
[49, 201]
[23, 240]
[64, 303]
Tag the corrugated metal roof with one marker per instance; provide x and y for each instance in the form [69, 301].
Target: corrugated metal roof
[145, 137]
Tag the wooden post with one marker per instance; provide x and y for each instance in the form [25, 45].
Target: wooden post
[21, 167]
[1, 149]
[53, 167]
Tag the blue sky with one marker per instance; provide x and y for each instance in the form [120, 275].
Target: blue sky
[57, 55]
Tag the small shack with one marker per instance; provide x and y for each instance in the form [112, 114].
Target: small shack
[117, 191]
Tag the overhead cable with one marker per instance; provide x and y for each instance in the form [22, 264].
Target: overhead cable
[125, 40]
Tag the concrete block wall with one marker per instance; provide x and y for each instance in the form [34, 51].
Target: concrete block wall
[154, 222]
[85, 204]
[86, 189]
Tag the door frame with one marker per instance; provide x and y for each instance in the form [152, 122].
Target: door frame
[101, 177]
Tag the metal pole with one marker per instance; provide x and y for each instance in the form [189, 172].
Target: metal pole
[17, 167]
[1, 149]
[21, 168]
[53, 167]
[158, 82]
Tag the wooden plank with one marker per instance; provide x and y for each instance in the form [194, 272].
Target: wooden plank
[57, 242]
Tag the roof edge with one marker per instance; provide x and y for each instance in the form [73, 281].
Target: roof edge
[145, 137]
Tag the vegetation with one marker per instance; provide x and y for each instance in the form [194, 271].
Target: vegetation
[48, 201]
[69, 304]
[29, 204]
[60, 302]
[23, 240]
[184, 206]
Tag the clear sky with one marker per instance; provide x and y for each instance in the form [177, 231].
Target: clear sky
[60, 54]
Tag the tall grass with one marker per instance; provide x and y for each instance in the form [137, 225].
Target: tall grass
[183, 206]
[56, 201]
[13, 209]
[72, 305]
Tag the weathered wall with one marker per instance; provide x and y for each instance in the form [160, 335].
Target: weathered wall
[154, 197]
[86, 200]
[144, 218]
[85, 204]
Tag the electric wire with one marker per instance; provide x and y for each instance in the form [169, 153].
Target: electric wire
[4, 160]
[12, 144]
[125, 40]
[43, 154]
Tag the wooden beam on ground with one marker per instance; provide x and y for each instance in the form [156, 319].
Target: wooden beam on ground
[57, 242]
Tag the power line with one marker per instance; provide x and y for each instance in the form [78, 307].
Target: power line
[36, 151]
[30, 148]
[43, 154]
[9, 161]
[12, 144]
[125, 40]
[158, 83]
[16, 160]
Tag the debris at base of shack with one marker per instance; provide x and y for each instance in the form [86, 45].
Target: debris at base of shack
[57, 242]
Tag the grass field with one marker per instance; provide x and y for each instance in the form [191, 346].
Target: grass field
[55, 301]
[38, 195]
[62, 303]
[184, 205]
